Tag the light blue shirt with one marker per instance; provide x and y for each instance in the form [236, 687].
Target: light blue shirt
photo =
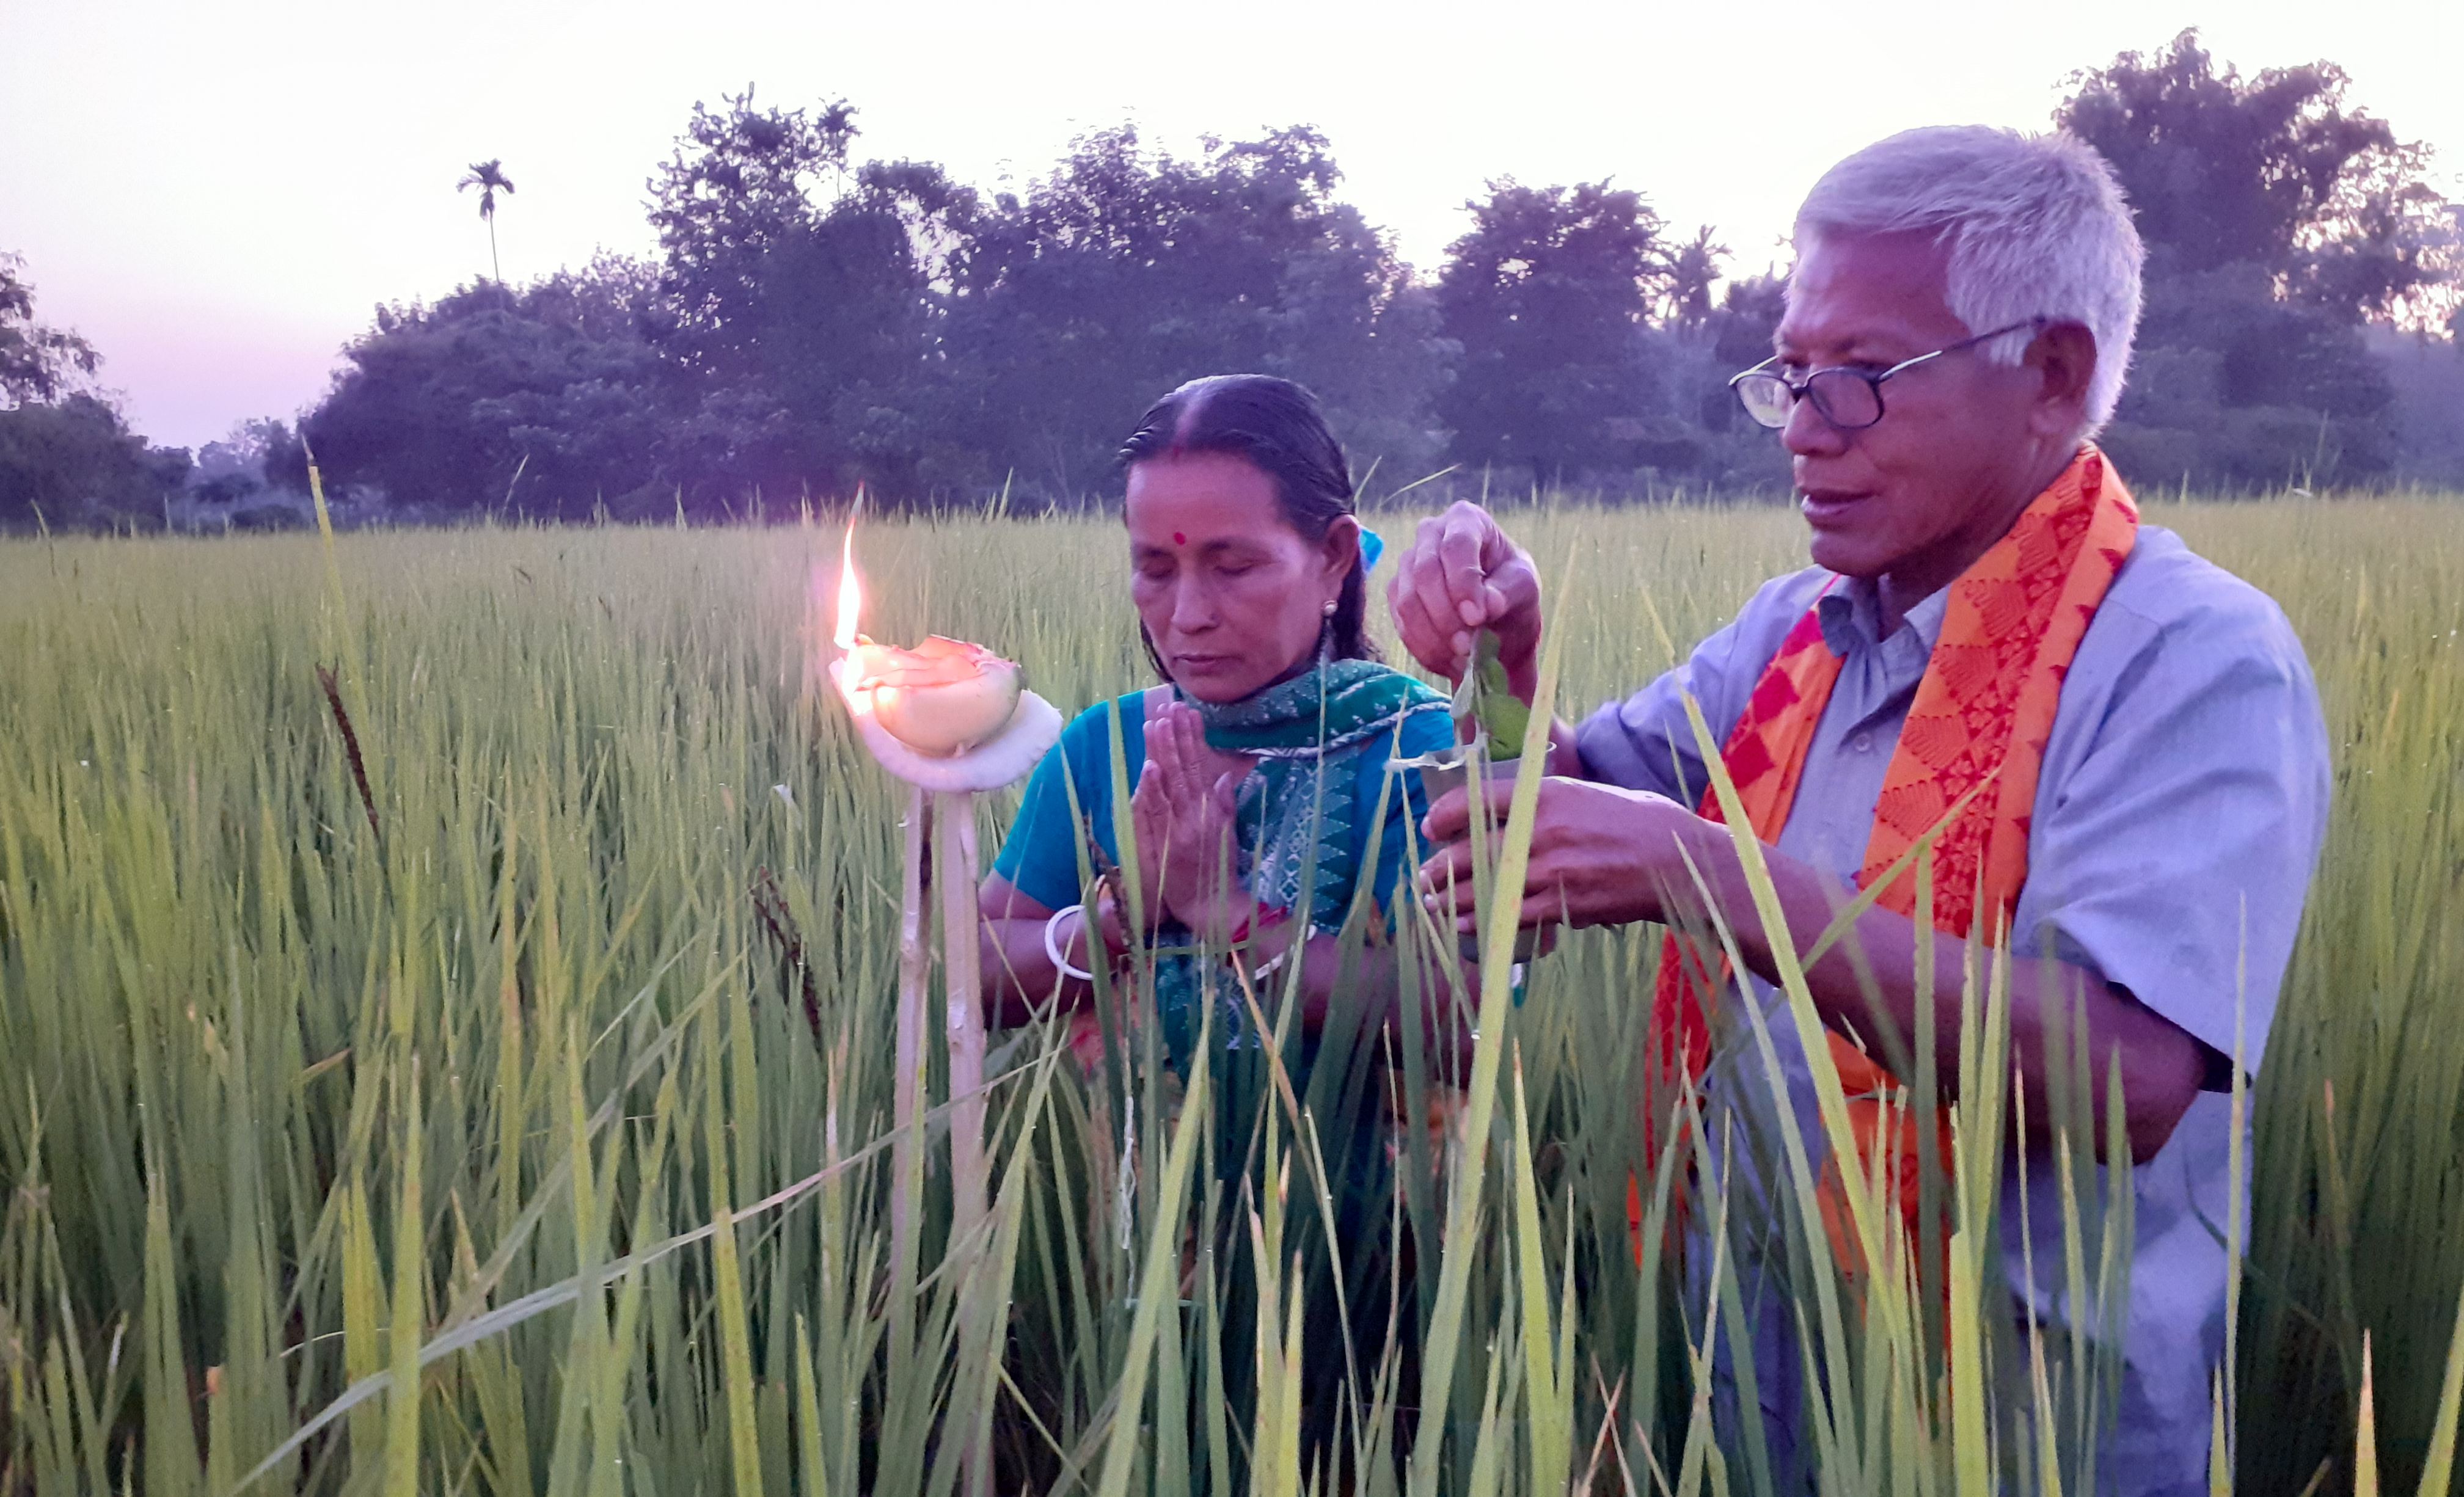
[2178, 814]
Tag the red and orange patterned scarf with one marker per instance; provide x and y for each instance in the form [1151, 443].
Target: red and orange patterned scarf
[1982, 714]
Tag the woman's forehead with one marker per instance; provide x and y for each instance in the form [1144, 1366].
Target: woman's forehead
[1200, 499]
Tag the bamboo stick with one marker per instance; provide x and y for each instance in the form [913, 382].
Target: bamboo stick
[964, 991]
[915, 982]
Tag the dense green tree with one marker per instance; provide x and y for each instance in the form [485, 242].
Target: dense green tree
[813, 323]
[1548, 295]
[66, 456]
[1686, 296]
[2237, 386]
[2428, 373]
[36, 363]
[1129, 269]
[740, 186]
[76, 463]
[1697, 436]
[248, 464]
[2272, 170]
[804, 294]
[2278, 223]
[547, 400]
[852, 309]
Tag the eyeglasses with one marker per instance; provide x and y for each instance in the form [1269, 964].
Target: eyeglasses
[1848, 399]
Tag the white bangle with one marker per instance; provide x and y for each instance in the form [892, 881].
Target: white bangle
[1052, 943]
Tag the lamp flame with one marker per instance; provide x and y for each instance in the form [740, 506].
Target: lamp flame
[850, 595]
[846, 670]
[941, 699]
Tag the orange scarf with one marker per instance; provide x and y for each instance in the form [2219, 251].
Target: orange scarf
[1985, 705]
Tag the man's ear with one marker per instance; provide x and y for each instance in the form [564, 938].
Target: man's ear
[2065, 357]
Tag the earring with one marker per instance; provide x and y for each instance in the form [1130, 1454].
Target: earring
[1328, 609]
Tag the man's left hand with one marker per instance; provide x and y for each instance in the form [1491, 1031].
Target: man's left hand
[1600, 856]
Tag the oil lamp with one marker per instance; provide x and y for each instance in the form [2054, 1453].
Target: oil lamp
[952, 720]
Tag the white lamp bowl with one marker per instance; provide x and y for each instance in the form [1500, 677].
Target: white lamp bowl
[1004, 759]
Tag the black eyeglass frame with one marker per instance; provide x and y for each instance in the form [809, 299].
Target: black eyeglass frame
[1804, 390]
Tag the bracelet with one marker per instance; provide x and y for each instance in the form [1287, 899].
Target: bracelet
[1052, 943]
[1265, 919]
[1261, 916]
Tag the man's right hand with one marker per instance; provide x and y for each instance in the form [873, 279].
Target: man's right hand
[1462, 574]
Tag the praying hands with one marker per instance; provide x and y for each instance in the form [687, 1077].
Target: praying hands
[1183, 813]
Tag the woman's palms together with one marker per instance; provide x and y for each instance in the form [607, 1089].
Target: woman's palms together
[1183, 811]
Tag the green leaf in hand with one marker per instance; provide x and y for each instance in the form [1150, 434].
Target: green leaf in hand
[1504, 717]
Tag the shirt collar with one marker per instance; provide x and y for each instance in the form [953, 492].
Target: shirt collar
[1849, 612]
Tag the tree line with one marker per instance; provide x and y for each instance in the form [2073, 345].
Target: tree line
[814, 320]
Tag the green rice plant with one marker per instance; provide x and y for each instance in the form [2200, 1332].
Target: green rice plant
[470, 1069]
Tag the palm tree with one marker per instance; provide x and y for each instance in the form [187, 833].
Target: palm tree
[489, 177]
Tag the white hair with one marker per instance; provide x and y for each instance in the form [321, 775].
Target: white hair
[2035, 227]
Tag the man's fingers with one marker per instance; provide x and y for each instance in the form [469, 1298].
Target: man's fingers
[1511, 591]
[1436, 602]
[1427, 642]
[1544, 908]
[1513, 587]
[1448, 819]
[1460, 575]
[1446, 886]
[1499, 795]
[1462, 557]
[1447, 869]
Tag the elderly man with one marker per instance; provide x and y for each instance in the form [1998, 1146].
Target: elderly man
[2135, 731]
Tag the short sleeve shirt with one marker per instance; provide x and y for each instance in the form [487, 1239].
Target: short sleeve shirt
[2179, 813]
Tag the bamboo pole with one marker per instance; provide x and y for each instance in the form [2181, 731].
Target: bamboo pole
[914, 995]
[953, 831]
[962, 985]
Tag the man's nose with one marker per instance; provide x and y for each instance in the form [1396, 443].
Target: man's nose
[1809, 433]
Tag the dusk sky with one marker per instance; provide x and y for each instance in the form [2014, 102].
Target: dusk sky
[218, 196]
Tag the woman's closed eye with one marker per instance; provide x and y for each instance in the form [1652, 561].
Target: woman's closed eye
[1238, 560]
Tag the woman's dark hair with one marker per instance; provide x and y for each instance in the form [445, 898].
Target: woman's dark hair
[1275, 425]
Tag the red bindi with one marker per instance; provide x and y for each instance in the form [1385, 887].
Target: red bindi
[1178, 539]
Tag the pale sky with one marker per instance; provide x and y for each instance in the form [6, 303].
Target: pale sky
[218, 195]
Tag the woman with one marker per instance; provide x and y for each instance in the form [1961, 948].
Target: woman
[1261, 754]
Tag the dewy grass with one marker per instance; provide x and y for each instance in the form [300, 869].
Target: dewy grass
[507, 1154]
